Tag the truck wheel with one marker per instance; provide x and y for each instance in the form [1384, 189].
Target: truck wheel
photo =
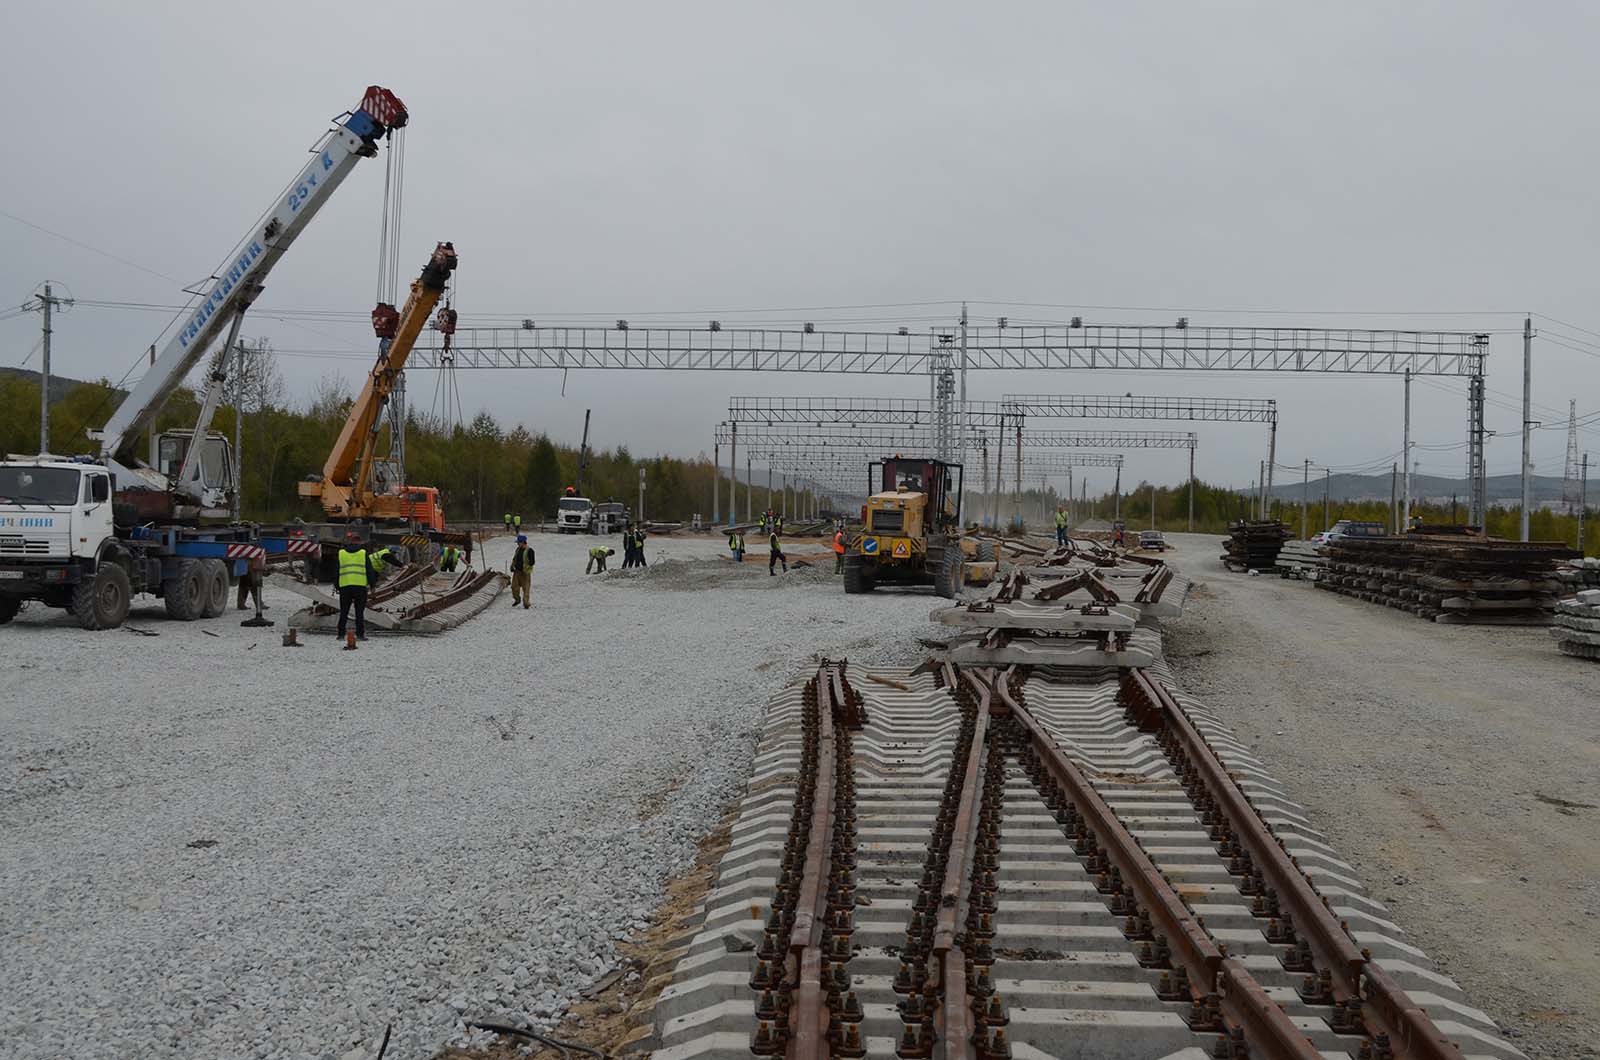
[185, 591]
[214, 574]
[986, 552]
[948, 582]
[102, 602]
[9, 606]
[855, 575]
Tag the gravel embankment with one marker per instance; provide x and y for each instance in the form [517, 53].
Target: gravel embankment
[1455, 767]
[221, 847]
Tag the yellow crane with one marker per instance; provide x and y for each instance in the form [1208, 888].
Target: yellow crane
[345, 487]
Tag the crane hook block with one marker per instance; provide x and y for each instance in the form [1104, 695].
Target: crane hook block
[385, 318]
[446, 321]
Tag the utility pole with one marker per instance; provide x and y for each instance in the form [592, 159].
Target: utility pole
[961, 432]
[749, 490]
[1305, 489]
[1191, 484]
[999, 469]
[1261, 484]
[1583, 500]
[1527, 420]
[1327, 483]
[641, 495]
[1405, 509]
[733, 475]
[785, 484]
[1152, 505]
[1116, 491]
[1394, 499]
[1019, 471]
[716, 483]
[46, 303]
[1272, 458]
[769, 485]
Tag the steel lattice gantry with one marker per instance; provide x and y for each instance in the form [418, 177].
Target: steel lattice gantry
[946, 355]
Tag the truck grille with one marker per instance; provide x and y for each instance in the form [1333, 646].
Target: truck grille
[888, 521]
[24, 546]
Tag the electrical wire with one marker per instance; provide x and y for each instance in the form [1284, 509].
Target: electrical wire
[565, 1048]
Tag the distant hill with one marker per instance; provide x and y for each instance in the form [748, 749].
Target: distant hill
[1434, 489]
[60, 385]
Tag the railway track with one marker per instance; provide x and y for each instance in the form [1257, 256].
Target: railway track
[981, 863]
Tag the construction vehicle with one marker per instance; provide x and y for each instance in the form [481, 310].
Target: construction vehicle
[911, 530]
[575, 513]
[88, 533]
[356, 487]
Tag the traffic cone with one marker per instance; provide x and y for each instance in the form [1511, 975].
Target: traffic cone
[349, 642]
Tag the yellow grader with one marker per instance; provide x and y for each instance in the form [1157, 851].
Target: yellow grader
[912, 532]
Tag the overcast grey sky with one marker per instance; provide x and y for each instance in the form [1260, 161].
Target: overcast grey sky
[631, 160]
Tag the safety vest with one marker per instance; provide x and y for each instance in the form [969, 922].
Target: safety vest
[1061, 520]
[448, 555]
[598, 552]
[772, 542]
[352, 567]
[838, 541]
[508, 519]
[522, 559]
[733, 541]
[516, 520]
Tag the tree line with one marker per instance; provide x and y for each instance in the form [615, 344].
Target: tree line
[482, 468]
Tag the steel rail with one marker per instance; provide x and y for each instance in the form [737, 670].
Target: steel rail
[953, 1021]
[808, 1020]
[462, 590]
[1211, 973]
[1355, 977]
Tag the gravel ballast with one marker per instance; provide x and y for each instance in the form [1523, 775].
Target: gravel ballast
[218, 846]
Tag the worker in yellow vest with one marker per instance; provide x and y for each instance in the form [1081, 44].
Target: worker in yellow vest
[597, 559]
[522, 573]
[358, 569]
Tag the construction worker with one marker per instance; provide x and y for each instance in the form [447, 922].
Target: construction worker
[521, 572]
[638, 547]
[777, 526]
[736, 545]
[508, 522]
[775, 552]
[250, 581]
[516, 523]
[358, 569]
[597, 559]
[1061, 526]
[838, 550]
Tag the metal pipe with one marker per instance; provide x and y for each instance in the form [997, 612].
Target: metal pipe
[1527, 421]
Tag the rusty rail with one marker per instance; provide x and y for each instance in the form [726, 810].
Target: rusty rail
[808, 1021]
[1355, 982]
[1218, 984]
[462, 590]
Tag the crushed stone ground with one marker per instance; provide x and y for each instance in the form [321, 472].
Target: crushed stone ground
[218, 846]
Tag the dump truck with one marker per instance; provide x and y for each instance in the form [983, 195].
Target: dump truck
[912, 530]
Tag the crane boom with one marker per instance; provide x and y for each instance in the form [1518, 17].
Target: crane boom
[345, 487]
[232, 292]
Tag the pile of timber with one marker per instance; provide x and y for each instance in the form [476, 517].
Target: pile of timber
[1253, 544]
[1450, 577]
[1577, 626]
[1302, 560]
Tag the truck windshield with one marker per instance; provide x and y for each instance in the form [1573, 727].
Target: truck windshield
[38, 485]
[575, 504]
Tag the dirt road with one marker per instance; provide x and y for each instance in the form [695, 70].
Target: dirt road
[1457, 768]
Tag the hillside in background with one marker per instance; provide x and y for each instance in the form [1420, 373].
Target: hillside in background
[1432, 489]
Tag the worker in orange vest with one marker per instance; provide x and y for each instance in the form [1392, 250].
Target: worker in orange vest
[838, 551]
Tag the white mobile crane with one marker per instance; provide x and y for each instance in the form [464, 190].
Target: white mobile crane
[87, 533]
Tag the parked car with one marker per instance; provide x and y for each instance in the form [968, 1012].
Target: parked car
[1152, 541]
[1349, 528]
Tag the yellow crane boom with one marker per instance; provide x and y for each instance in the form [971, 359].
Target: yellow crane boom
[345, 488]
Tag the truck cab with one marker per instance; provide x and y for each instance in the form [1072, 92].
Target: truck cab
[55, 524]
[575, 515]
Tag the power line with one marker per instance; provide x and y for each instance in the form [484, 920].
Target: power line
[92, 249]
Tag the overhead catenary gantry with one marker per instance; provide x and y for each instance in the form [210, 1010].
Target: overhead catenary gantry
[946, 355]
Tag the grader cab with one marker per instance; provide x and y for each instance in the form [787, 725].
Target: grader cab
[912, 530]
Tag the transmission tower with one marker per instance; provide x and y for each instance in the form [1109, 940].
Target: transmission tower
[1569, 482]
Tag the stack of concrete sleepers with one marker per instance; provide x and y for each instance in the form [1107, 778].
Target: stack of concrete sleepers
[1450, 578]
[1580, 574]
[1577, 625]
[1300, 559]
[1253, 544]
